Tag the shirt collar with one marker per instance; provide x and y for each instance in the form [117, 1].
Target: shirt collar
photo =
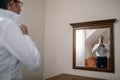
[9, 14]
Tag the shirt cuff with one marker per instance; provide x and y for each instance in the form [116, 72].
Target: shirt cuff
[28, 39]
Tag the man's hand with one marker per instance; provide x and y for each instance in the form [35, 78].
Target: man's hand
[24, 29]
[101, 45]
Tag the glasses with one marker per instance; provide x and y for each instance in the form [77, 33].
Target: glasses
[19, 3]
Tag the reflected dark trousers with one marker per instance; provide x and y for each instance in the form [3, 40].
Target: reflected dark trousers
[101, 62]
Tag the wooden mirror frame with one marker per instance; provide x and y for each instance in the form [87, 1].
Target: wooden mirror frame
[93, 25]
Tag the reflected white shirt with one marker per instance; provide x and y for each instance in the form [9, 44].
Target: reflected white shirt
[15, 48]
[101, 51]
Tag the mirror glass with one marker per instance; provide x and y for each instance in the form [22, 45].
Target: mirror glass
[93, 45]
[85, 41]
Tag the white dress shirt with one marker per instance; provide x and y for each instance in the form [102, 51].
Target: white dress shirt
[101, 51]
[15, 48]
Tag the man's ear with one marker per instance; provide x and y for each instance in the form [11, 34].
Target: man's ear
[10, 5]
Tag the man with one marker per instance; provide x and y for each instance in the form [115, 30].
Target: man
[16, 47]
[102, 52]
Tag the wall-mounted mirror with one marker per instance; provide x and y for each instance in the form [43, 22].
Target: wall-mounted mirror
[93, 45]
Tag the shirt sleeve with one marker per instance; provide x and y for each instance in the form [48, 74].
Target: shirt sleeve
[107, 50]
[95, 48]
[21, 47]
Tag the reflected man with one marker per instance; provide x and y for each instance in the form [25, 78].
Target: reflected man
[102, 53]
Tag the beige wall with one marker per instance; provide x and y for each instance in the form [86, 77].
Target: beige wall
[58, 33]
[32, 15]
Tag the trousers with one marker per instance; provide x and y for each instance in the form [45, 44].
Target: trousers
[101, 62]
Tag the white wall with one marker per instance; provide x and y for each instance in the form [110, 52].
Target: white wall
[32, 15]
[58, 33]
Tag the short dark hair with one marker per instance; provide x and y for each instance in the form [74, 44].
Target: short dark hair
[4, 3]
[101, 37]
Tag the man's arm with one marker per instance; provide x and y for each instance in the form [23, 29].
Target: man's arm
[95, 48]
[107, 50]
[23, 49]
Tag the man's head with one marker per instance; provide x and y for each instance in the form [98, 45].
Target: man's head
[101, 39]
[12, 5]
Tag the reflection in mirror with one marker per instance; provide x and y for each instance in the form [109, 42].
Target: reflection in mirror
[85, 40]
[93, 47]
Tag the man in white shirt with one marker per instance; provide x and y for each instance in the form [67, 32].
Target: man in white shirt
[102, 53]
[16, 48]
